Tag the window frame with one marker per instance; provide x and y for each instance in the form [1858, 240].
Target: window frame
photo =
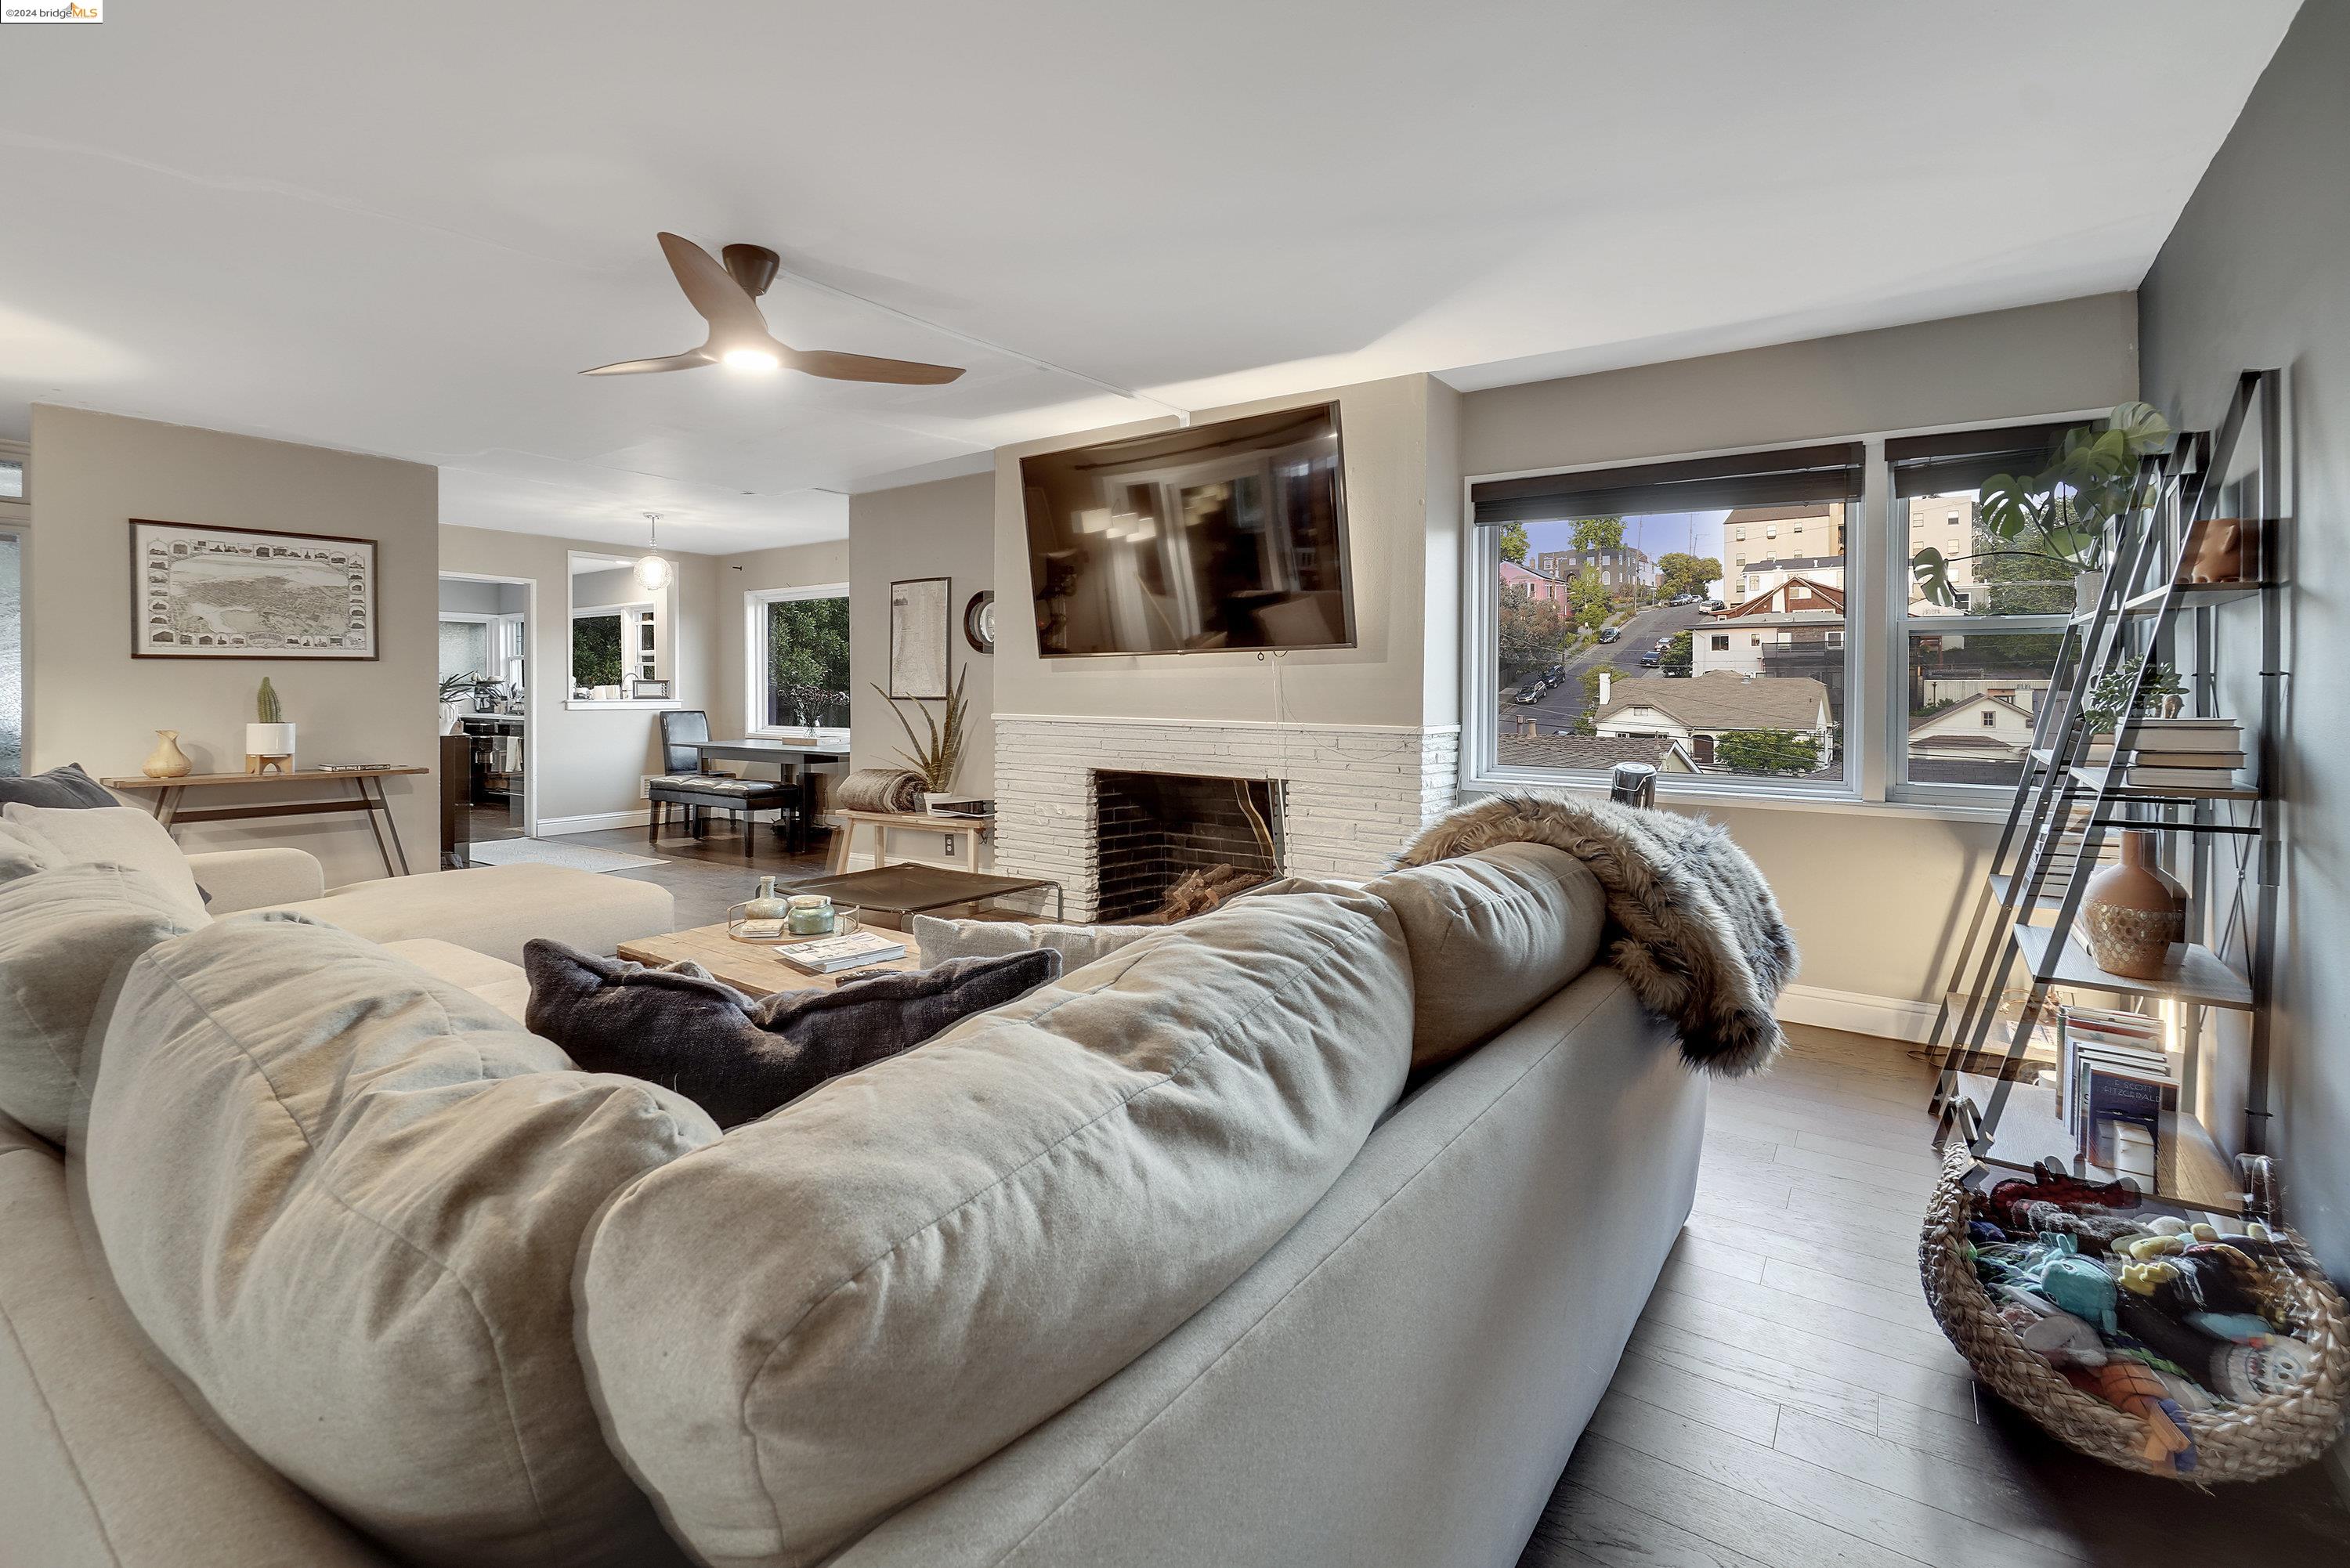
[1876, 648]
[755, 705]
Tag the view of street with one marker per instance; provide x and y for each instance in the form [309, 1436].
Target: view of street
[1560, 707]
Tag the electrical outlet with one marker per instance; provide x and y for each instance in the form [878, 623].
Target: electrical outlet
[951, 842]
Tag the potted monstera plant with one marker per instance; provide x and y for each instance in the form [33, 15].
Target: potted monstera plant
[2057, 516]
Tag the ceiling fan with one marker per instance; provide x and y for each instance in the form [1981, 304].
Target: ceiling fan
[727, 296]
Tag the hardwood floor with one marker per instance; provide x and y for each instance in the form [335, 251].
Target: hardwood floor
[707, 876]
[1788, 1402]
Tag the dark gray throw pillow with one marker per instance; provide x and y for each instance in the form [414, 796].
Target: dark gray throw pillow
[66, 786]
[736, 1058]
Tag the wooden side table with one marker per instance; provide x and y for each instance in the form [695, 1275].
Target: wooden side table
[368, 784]
[970, 829]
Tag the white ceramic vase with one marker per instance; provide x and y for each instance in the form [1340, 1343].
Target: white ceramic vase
[269, 740]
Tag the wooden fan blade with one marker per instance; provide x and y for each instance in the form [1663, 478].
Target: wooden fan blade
[689, 361]
[865, 367]
[711, 289]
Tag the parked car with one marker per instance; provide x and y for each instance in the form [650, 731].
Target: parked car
[1530, 695]
[1610, 633]
[1649, 659]
[1555, 674]
[1715, 604]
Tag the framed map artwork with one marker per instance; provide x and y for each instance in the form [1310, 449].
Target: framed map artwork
[201, 592]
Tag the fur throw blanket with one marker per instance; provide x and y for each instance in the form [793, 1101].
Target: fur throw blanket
[1697, 933]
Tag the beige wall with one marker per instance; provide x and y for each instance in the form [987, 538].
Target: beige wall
[1884, 933]
[586, 764]
[2043, 358]
[945, 529]
[1402, 517]
[790, 566]
[87, 701]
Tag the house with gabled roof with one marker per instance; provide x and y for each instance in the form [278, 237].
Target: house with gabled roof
[1702, 709]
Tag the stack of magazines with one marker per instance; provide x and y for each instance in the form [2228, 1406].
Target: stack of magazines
[2189, 756]
[829, 955]
[2114, 1082]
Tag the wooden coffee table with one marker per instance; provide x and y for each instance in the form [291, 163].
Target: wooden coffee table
[751, 968]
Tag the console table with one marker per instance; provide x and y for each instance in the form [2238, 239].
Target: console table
[368, 796]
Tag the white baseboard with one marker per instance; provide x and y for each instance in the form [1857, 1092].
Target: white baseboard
[1857, 1012]
[594, 821]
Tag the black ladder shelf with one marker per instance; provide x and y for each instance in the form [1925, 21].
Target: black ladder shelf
[2063, 807]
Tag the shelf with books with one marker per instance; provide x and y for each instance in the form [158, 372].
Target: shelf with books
[2189, 1169]
[2196, 778]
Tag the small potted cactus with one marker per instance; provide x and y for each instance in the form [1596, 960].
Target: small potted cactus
[269, 741]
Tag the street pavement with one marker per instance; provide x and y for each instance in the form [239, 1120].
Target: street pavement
[1563, 704]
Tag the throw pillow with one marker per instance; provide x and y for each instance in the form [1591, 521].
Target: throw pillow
[68, 786]
[111, 835]
[739, 1059]
[69, 934]
[941, 940]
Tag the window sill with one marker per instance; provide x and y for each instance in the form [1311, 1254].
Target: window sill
[623, 704]
[1729, 797]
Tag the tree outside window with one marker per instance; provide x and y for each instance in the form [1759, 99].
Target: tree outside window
[807, 663]
[596, 650]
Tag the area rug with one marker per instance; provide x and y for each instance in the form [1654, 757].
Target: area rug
[544, 852]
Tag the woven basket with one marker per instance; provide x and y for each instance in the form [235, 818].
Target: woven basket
[2251, 1441]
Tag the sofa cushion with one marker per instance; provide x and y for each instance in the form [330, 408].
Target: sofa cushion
[738, 1058]
[501, 984]
[345, 1200]
[1491, 934]
[22, 853]
[64, 786]
[118, 835]
[1078, 946]
[834, 1309]
[102, 1463]
[494, 910]
[68, 935]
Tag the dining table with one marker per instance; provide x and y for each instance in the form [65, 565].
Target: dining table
[797, 759]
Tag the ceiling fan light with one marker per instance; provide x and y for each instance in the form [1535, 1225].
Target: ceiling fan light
[751, 359]
[653, 572]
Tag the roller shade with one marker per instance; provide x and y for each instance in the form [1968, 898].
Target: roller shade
[1829, 473]
[1956, 462]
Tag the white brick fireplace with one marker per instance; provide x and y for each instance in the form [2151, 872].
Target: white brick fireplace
[1353, 792]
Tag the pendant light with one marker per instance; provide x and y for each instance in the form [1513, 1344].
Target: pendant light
[653, 571]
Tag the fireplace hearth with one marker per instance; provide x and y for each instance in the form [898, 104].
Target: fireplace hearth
[1200, 838]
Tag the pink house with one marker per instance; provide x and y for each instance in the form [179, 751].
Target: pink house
[1532, 585]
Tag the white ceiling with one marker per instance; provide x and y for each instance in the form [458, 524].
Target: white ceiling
[402, 229]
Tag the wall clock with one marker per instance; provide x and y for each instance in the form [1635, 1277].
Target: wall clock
[979, 622]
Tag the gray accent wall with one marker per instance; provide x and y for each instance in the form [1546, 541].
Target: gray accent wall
[2257, 275]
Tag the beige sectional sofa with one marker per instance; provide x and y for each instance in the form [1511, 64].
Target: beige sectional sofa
[1306, 1232]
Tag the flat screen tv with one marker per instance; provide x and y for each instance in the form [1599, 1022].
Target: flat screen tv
[1221, 536]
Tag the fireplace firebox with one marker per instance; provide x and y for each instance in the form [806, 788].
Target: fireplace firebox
[1155, 829]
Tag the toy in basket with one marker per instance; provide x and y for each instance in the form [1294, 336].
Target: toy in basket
[2210, 1350]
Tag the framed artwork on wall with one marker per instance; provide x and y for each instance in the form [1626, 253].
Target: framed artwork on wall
[198, 591]
[921, 623]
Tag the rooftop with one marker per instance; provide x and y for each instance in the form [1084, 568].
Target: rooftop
[1723, 700]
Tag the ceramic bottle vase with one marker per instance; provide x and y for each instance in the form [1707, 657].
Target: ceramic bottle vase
[2135, 913]
[167, 760]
